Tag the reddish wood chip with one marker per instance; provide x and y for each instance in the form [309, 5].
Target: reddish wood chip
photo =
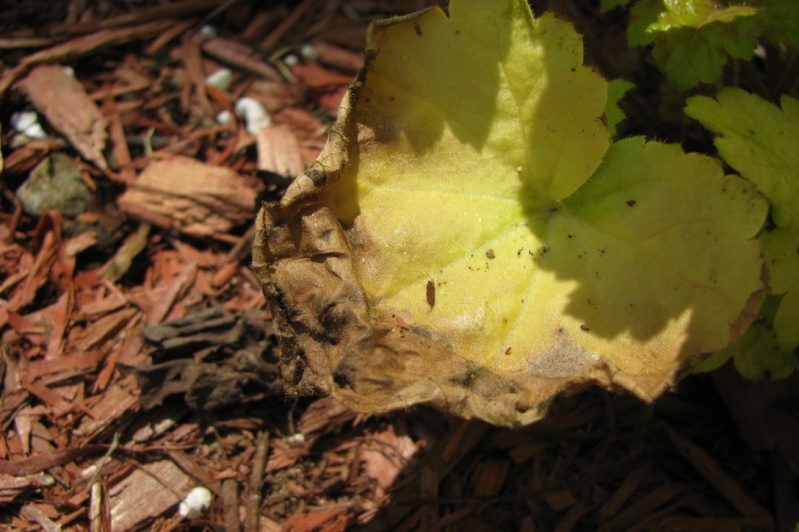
[14, 486]
[239, 55]
[63, 100]
[148, 493]
[490, 476]
[113, 404]
[338, 57]
[40, 462]
[315, 76]
[192, 197]
[386, 454]
[279, 151]
[334, 518]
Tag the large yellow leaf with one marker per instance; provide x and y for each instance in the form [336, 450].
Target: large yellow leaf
[469, 239]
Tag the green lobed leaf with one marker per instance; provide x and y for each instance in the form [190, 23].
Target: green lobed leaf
[760, 141]
[693, 38]
[758, 355]
[781, 22]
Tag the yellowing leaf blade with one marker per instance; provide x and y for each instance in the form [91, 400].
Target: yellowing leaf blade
[462, 242]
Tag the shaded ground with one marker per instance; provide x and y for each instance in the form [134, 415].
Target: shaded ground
[136, 353]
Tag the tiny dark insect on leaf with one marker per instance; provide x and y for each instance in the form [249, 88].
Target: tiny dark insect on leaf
[490, 254]
[584, 327]
[417, 29]
[431, 293]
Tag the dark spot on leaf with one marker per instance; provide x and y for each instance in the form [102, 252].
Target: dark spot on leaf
[317, 176]
[769, 225]
[417, 29]
[431, 293]
[584, 327]
[342, 381]
[467, 379]
[631, 202]
[507, 351]
[490, 254]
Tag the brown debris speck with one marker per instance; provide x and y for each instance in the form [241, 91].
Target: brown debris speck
[430, 293]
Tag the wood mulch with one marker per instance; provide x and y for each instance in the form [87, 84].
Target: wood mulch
[137, 355]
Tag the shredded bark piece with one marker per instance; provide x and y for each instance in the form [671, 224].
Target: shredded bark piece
[63, 100]
[147, 492]
[239, 55]
[81, 46]
[253, 515]
[723, 482]
[189, 196]
[42, 461]
[279, 151]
